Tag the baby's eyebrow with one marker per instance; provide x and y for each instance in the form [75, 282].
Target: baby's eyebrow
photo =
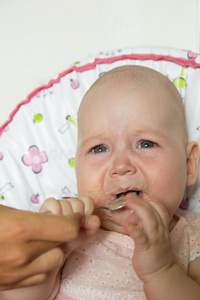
[149, 131]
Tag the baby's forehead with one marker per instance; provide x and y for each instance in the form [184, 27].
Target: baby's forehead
[127, 79]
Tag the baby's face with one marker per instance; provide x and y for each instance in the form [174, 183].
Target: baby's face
[129, 141]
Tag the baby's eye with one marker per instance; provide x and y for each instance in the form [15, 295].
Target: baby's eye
[146, 144]
[99, 149]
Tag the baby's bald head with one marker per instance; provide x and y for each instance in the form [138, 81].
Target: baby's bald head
[130, 77]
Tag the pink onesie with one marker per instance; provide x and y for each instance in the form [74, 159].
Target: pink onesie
[102, 268]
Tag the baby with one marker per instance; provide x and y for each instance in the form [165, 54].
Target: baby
[132, 142]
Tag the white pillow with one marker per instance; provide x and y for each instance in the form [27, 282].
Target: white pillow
[37, 144]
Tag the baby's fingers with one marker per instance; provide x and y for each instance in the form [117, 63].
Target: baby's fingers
[162, 212]
[150, 214]
[52, 206]
[83, 205]
[158, 210]
[71, 206]
[88, 204]
[63, 207]
[137, 234]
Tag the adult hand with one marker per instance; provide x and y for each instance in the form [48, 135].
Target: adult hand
[83, 206]
[30, 245]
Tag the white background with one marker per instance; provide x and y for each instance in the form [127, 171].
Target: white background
[41, 38]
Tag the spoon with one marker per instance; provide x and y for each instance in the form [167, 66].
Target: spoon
[115, 205]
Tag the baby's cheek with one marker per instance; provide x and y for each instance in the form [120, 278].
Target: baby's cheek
[98, 195]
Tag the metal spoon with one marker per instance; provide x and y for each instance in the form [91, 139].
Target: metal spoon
[115, 205]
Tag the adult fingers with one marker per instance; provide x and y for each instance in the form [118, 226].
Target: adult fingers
[89, 228]
[91, 225]
[48, 227]
[22, 226]
[46, 262]
[27, 282]
[36, 269]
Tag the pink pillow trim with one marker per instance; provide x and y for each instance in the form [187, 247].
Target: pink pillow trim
[180, 61]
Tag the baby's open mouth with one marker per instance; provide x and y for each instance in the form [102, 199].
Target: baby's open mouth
[125, 193]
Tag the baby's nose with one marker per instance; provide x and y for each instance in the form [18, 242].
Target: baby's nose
[122, 166]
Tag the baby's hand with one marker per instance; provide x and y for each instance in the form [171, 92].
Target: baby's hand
[68, 206]
[81, 210]
[153, 251]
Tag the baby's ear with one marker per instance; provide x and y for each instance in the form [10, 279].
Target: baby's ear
[192, 162]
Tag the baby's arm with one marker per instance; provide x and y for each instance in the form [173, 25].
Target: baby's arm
[79, 210]
[153, 259]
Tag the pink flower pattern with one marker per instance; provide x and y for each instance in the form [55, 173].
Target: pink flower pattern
[74, 83]
[35, 198]
[35, 159]
[192, 55]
